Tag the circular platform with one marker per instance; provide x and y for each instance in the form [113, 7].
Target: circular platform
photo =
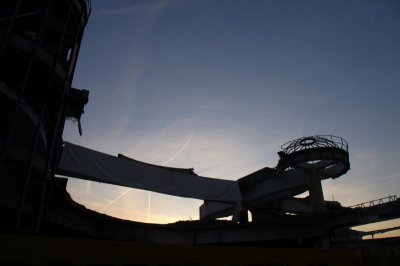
[325, 154]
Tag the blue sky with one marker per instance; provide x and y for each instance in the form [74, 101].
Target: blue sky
[234, 80]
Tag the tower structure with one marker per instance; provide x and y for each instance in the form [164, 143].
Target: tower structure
[303, 164]
[319, 158]
[39, 47]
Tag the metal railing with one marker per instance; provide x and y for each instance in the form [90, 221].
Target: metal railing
[317, 141]
[375, 202]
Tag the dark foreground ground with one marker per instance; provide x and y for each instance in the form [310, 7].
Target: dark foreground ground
[28, 249]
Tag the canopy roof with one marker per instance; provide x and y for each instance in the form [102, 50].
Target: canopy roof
[83, 163]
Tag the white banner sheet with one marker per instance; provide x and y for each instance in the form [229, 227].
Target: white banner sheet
[83, 163]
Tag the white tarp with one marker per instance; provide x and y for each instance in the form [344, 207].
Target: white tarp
[80, 162]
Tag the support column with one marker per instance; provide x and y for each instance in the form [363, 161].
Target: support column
[316, 193]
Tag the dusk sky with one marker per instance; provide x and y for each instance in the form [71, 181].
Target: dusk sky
[220, 85]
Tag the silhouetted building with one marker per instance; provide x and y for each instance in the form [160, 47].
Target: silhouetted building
[39, 47]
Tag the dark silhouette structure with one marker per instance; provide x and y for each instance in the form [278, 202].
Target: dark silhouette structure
[39, 47]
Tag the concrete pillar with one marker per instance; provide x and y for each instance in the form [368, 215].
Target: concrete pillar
[316, 193]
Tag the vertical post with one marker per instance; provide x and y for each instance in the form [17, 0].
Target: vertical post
[318, 202]
[316, 193]
[20, 97]
[56, 139]
[44, 109]
[2, 49]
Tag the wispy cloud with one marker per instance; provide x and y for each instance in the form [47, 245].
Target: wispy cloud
[389, 177]
[120, 116]
[115, 199]
[149, 195]
[180, 151]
